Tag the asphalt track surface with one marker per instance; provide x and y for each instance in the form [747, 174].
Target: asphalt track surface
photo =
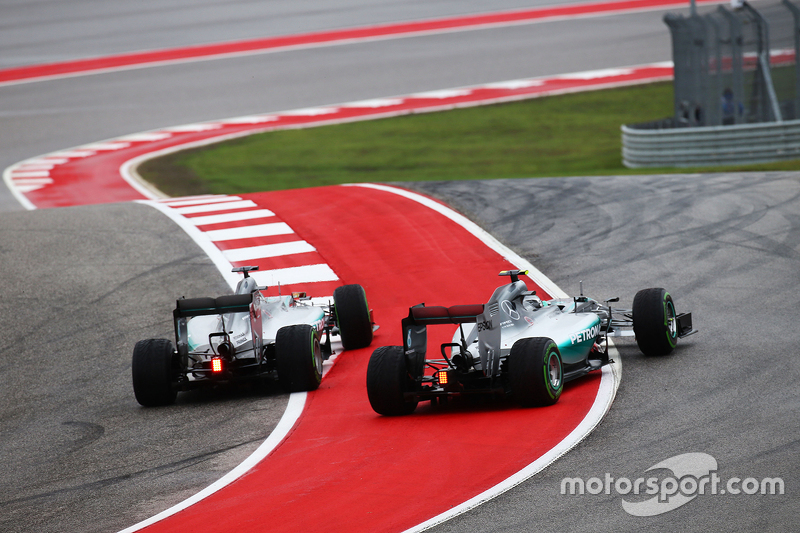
[48, 116]
[48, 31]
[725, 246]
[360, 465]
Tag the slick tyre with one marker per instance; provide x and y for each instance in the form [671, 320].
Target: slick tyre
[298, 358]
[388, 380]
[352, 316]
[153, 368]
[535, 372]
[654, 321]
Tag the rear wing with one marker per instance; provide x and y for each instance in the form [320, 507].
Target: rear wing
[231, 303]
[457, 314]
[415, 331]
[222, 305]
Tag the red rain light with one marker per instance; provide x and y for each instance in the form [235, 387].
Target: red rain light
[441, 375]
[216, 364]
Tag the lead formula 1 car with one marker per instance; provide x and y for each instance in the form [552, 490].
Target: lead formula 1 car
[516, 345]
[249, 335]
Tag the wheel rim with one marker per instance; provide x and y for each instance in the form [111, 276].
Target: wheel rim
[554, 370]
[317, 354]
[672, 325]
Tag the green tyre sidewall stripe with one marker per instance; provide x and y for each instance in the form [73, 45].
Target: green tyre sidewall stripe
[552, 352]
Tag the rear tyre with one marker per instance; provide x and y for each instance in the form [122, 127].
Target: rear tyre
[352, 316]
[298, 358]
[153, 368]
[654, 321]
[535, 372]
[388, 379]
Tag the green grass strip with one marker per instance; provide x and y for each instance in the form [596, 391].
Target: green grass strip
[569, 135]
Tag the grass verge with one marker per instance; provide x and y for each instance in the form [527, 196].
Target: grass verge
[568, 135]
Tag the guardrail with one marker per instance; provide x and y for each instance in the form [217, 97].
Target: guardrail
[710, 146]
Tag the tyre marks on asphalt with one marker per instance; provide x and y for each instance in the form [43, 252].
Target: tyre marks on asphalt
[403, 251]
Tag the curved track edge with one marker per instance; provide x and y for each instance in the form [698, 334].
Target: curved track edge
[294, 409]
[609, 383]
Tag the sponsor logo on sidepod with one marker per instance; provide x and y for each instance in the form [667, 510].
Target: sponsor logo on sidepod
[585, 334]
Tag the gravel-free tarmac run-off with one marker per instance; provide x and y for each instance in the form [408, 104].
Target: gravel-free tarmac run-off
[342, 459]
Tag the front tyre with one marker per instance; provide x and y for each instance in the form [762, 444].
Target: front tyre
[535, 372]
[388, 380]
[153, 368]
[352, 316]
[298, 358]
[654, 321]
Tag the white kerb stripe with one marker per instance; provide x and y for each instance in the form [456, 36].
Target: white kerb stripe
[110, 146]
[27, 167]
[202, 200]
[75, 153]
[246, 232]
[294, 408]
[231, 217]
[29, 188]
[171, 199]
[32, 181]
[208, 208]
[145, 137]
[268, 250]
[30, 173]
[47, 160]
[302, 274]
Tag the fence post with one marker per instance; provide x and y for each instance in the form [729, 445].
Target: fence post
[735, 31]
[763, 61]
[796, 30]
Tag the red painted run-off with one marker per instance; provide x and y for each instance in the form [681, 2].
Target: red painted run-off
[359, 34]
[90, 174]
[343, 467]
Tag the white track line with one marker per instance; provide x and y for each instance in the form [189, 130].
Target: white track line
[297, 401]
[303, 274]
[484, 236]
[214, 203]
[609, 381]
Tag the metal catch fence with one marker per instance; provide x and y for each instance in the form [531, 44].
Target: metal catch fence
[733, 66]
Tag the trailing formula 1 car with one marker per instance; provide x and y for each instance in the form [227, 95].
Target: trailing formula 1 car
[516, 345]
[249, 335]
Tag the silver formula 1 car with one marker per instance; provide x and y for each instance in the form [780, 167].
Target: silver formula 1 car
[248, 335]
[516, 345]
